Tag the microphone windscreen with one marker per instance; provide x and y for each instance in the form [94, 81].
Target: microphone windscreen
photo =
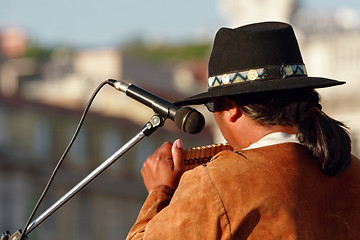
[189, 120]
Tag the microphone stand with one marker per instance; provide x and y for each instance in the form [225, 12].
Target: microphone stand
[150, 127]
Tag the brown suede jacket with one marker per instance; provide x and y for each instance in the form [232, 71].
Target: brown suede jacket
[274, 192]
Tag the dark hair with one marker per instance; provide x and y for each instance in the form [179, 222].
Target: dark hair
[327, 139]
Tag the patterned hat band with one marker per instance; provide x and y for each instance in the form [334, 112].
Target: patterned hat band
[271, 72]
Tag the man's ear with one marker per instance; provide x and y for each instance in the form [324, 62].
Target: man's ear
[233, 112]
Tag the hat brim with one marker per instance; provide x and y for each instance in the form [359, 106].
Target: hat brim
[258, 86]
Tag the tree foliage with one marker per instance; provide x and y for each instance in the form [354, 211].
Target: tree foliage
[168, 53]
[38, 52]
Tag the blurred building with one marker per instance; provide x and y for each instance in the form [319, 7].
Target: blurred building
[40, 106]
[33, 136]
[336, 55]
[242, 12]
[13, 42]
[330, 44]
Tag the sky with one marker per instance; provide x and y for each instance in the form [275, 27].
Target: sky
[109, 22]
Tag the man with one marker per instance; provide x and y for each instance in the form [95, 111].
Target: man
[291, 174]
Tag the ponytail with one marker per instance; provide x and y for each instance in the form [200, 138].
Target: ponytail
[327, 139]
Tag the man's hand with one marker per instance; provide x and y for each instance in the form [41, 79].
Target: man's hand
[164, 167]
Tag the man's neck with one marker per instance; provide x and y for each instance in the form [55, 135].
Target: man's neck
[252, 131]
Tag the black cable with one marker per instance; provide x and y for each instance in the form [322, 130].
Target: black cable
[23, 233]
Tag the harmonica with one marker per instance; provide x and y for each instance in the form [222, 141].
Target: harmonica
[199, 155]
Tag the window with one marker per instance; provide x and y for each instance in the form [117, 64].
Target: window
[79, 152]
[110, 143]
[3, 127]
[42, 139]
[143, 150]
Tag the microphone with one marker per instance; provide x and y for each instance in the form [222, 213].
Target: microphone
[187, 119]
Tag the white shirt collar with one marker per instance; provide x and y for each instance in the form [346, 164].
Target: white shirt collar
[274, 138]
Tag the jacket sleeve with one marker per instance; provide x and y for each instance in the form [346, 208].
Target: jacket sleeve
[157, 199]
[195, 210]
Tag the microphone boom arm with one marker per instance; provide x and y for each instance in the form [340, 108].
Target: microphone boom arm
[155, 122]
[187, 119]
[160, 105]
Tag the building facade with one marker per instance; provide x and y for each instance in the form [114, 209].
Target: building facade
[34, 136]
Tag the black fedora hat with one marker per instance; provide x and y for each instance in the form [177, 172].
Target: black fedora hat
[256, 58]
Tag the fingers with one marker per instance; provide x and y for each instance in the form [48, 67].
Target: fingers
[165, 166]
[177, 155]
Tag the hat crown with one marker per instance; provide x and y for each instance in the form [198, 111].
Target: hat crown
[256, 58]
[254, 46]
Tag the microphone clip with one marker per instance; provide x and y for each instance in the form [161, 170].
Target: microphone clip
[154, 123]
